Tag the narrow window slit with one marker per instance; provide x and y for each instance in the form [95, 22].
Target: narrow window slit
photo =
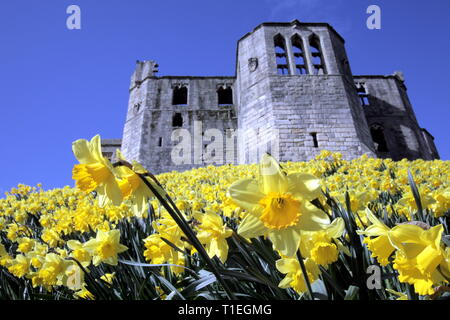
[314, 137]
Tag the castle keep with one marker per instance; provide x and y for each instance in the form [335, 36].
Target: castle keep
[293, 85]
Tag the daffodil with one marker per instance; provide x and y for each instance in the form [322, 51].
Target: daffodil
[213, 233]
[294, 276]
[20, 266]
[133, 187]
[159, 251]
[79, 252]
[418, 255]
[323, 246]
[105, 247]
[95, 172]
[279, 205]
[53, 270]
[380, 245]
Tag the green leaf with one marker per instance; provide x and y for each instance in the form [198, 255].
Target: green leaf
[415, 193]
[351, 293]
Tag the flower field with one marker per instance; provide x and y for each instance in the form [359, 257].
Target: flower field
[333, 229]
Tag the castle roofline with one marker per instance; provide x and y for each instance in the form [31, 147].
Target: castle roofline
[293, 23]
[427, 132]
[391, 76]
[399, 78]
[195, 77]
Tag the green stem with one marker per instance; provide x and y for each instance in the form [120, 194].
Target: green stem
[305, 273]
[181, 222]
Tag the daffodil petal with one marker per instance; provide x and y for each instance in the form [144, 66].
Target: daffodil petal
[82, 151]
[312, 218]
[96, 148]
[287, 265]
[251, 227]
[113, 191]
[304, 185]
[286, 241]
[285, 283]
[272, 178]
[246, 194]
[336, 228]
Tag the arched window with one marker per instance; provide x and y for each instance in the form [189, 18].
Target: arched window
[299, 56]
[180, 94]
[177, 120]
[281, 55]
[378, 137]
[316, 55]
[225, 95]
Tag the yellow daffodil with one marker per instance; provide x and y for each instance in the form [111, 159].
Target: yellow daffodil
[279, 205]
[79, 253]
[105, 247]
[20, 266]
[323, 246]
[380, 245]
[418, 255]
[159, 251]
[133, 187]
[53, 270]
[95, 172]
[294, 276]
[213, 233]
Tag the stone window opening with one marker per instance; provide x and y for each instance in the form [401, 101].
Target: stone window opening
[177, 120]
[316, 55]
[224, 96]
[160, 142]
[180, 95]
[281, 55]
[363, 93]
[314, 137]
[378, 137]
[299, 56]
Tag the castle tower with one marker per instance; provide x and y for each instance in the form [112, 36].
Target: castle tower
[294, 83]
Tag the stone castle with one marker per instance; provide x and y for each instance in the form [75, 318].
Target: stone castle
[292, 79]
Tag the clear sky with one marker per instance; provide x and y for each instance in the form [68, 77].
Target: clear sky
[58, 85]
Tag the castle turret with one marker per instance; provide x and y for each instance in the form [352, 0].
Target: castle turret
[295, 85]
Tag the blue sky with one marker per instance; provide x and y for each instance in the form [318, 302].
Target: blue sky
[58, 85]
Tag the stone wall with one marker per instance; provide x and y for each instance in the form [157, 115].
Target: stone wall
[390, 108]
[151, 138]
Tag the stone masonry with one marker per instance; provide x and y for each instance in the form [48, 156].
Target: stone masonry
[293, 94]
